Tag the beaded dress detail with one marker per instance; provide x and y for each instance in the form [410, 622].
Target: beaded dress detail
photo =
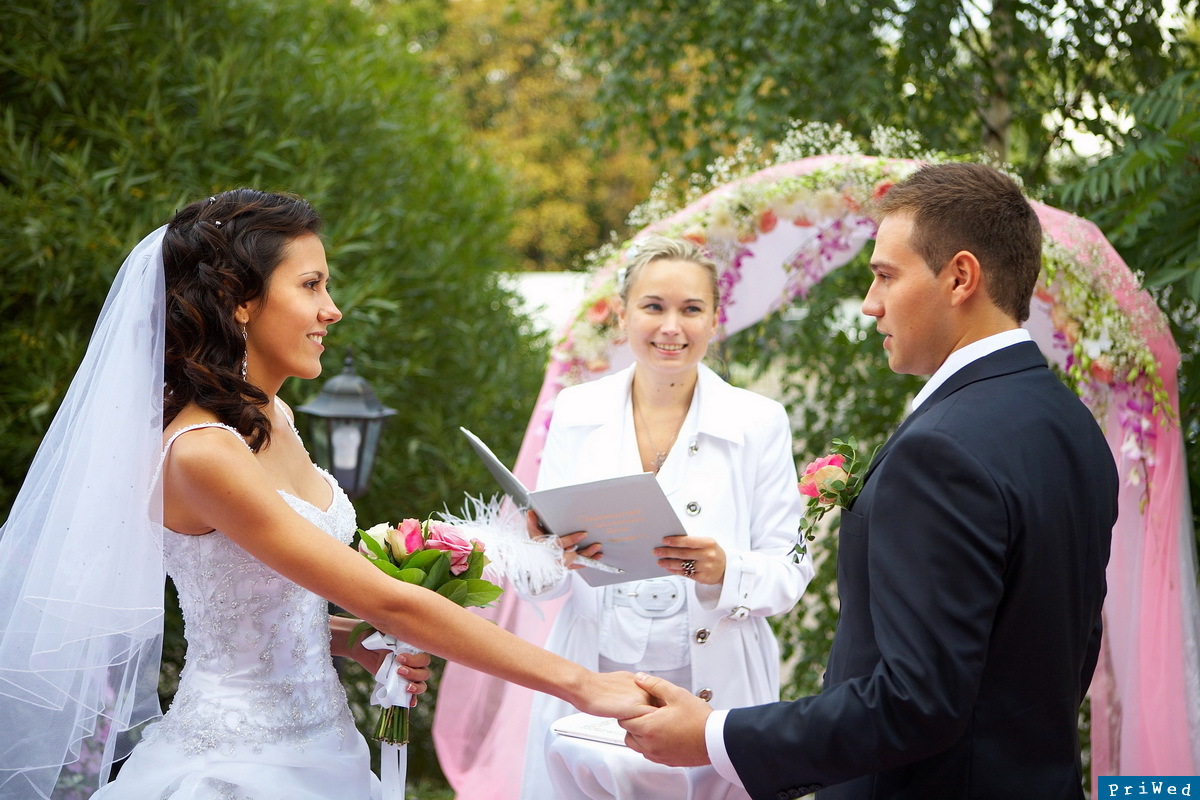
[260, 712]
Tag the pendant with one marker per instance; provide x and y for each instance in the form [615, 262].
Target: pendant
[659, 459]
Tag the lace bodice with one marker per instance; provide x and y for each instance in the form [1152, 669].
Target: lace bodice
[258, 667]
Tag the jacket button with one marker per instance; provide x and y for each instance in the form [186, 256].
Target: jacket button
[693, 508]
[704, 694]
[702, 635]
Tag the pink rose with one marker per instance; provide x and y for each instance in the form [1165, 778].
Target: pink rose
[820, 473]
[599, 311]
[405, 539]
[446, 537]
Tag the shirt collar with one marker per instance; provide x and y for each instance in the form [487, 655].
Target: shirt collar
[965, 355]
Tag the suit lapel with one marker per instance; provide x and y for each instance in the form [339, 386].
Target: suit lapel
[1014, 358]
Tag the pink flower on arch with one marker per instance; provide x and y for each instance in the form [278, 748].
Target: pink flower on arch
[599, 311]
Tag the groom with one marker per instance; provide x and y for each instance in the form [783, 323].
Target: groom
[971, 566]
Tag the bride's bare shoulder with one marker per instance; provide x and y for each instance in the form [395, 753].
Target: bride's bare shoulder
[198, 441]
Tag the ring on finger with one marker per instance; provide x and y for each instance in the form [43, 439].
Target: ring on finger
[689, 567]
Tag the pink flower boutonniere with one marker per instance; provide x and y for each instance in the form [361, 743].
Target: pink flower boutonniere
[831, 481]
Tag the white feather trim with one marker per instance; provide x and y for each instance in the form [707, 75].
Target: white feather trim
[531, 565]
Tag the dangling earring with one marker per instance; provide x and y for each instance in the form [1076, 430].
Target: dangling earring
[245, 353]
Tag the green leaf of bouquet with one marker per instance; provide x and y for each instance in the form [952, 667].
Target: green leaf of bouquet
[439, 571]
[360, 631]
[475, 564]
[412, 575]
[422, 559]
[480, 593]
[455, 591]
[374, 546]
[388, 568]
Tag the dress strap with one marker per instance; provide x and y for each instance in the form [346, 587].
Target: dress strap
[162, 459]
[284, 410]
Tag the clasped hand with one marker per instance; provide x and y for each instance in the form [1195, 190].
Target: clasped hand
[671, 731]
[662, 721]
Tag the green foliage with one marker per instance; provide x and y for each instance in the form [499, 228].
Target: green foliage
[953, 71]
[527, 103]
[1146, 198]
[114, 113]
[832, 375]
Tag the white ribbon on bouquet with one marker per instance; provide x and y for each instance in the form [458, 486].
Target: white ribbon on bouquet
[391, 689]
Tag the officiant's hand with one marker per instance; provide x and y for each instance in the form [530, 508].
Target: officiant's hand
[568, 543]
[695, 557]
[673, 733]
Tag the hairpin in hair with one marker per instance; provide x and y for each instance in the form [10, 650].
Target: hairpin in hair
[212, 200]
[217, 222]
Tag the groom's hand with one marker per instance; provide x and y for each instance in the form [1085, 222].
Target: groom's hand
[673, 733]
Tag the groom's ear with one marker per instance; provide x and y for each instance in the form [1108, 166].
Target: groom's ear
[964, 277]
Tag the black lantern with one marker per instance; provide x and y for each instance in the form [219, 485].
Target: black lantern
[346, 422]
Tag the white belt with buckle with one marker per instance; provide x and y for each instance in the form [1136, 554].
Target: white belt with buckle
[654, 598]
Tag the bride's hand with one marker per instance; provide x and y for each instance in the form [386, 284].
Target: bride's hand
[613, 694]
[415, 667]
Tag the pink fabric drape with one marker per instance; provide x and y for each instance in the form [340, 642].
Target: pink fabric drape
[1145, 696]
[1146, 693]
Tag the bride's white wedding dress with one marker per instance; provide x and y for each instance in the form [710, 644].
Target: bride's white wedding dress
[260, 713]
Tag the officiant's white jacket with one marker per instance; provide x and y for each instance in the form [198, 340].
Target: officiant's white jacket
[730, 476]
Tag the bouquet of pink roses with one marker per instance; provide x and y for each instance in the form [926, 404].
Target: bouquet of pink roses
[431, 554]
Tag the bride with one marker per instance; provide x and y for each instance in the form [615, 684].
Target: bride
[172, 449]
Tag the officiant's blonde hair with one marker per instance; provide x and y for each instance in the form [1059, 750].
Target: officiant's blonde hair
[665, 248]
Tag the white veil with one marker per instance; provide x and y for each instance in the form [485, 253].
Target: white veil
[81, 567]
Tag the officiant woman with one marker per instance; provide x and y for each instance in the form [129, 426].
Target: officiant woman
[724, 459]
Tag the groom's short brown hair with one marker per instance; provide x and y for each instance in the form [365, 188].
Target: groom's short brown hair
[973, 207]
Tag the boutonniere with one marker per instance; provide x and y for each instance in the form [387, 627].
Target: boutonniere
[831, 481]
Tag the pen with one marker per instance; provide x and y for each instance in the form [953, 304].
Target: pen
[594, 564]
[591, 563]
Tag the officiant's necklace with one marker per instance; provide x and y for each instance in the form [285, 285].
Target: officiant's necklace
[660, 455]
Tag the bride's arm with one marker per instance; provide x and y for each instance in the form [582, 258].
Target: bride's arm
[216, 480]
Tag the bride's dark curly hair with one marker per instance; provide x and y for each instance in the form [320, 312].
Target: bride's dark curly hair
[219, 253]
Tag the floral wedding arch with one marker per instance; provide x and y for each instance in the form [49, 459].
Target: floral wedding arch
[776, 233]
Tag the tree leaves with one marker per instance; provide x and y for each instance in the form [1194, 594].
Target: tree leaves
[695, 82]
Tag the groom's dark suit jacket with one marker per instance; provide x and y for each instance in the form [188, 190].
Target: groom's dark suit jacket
[971, 576]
